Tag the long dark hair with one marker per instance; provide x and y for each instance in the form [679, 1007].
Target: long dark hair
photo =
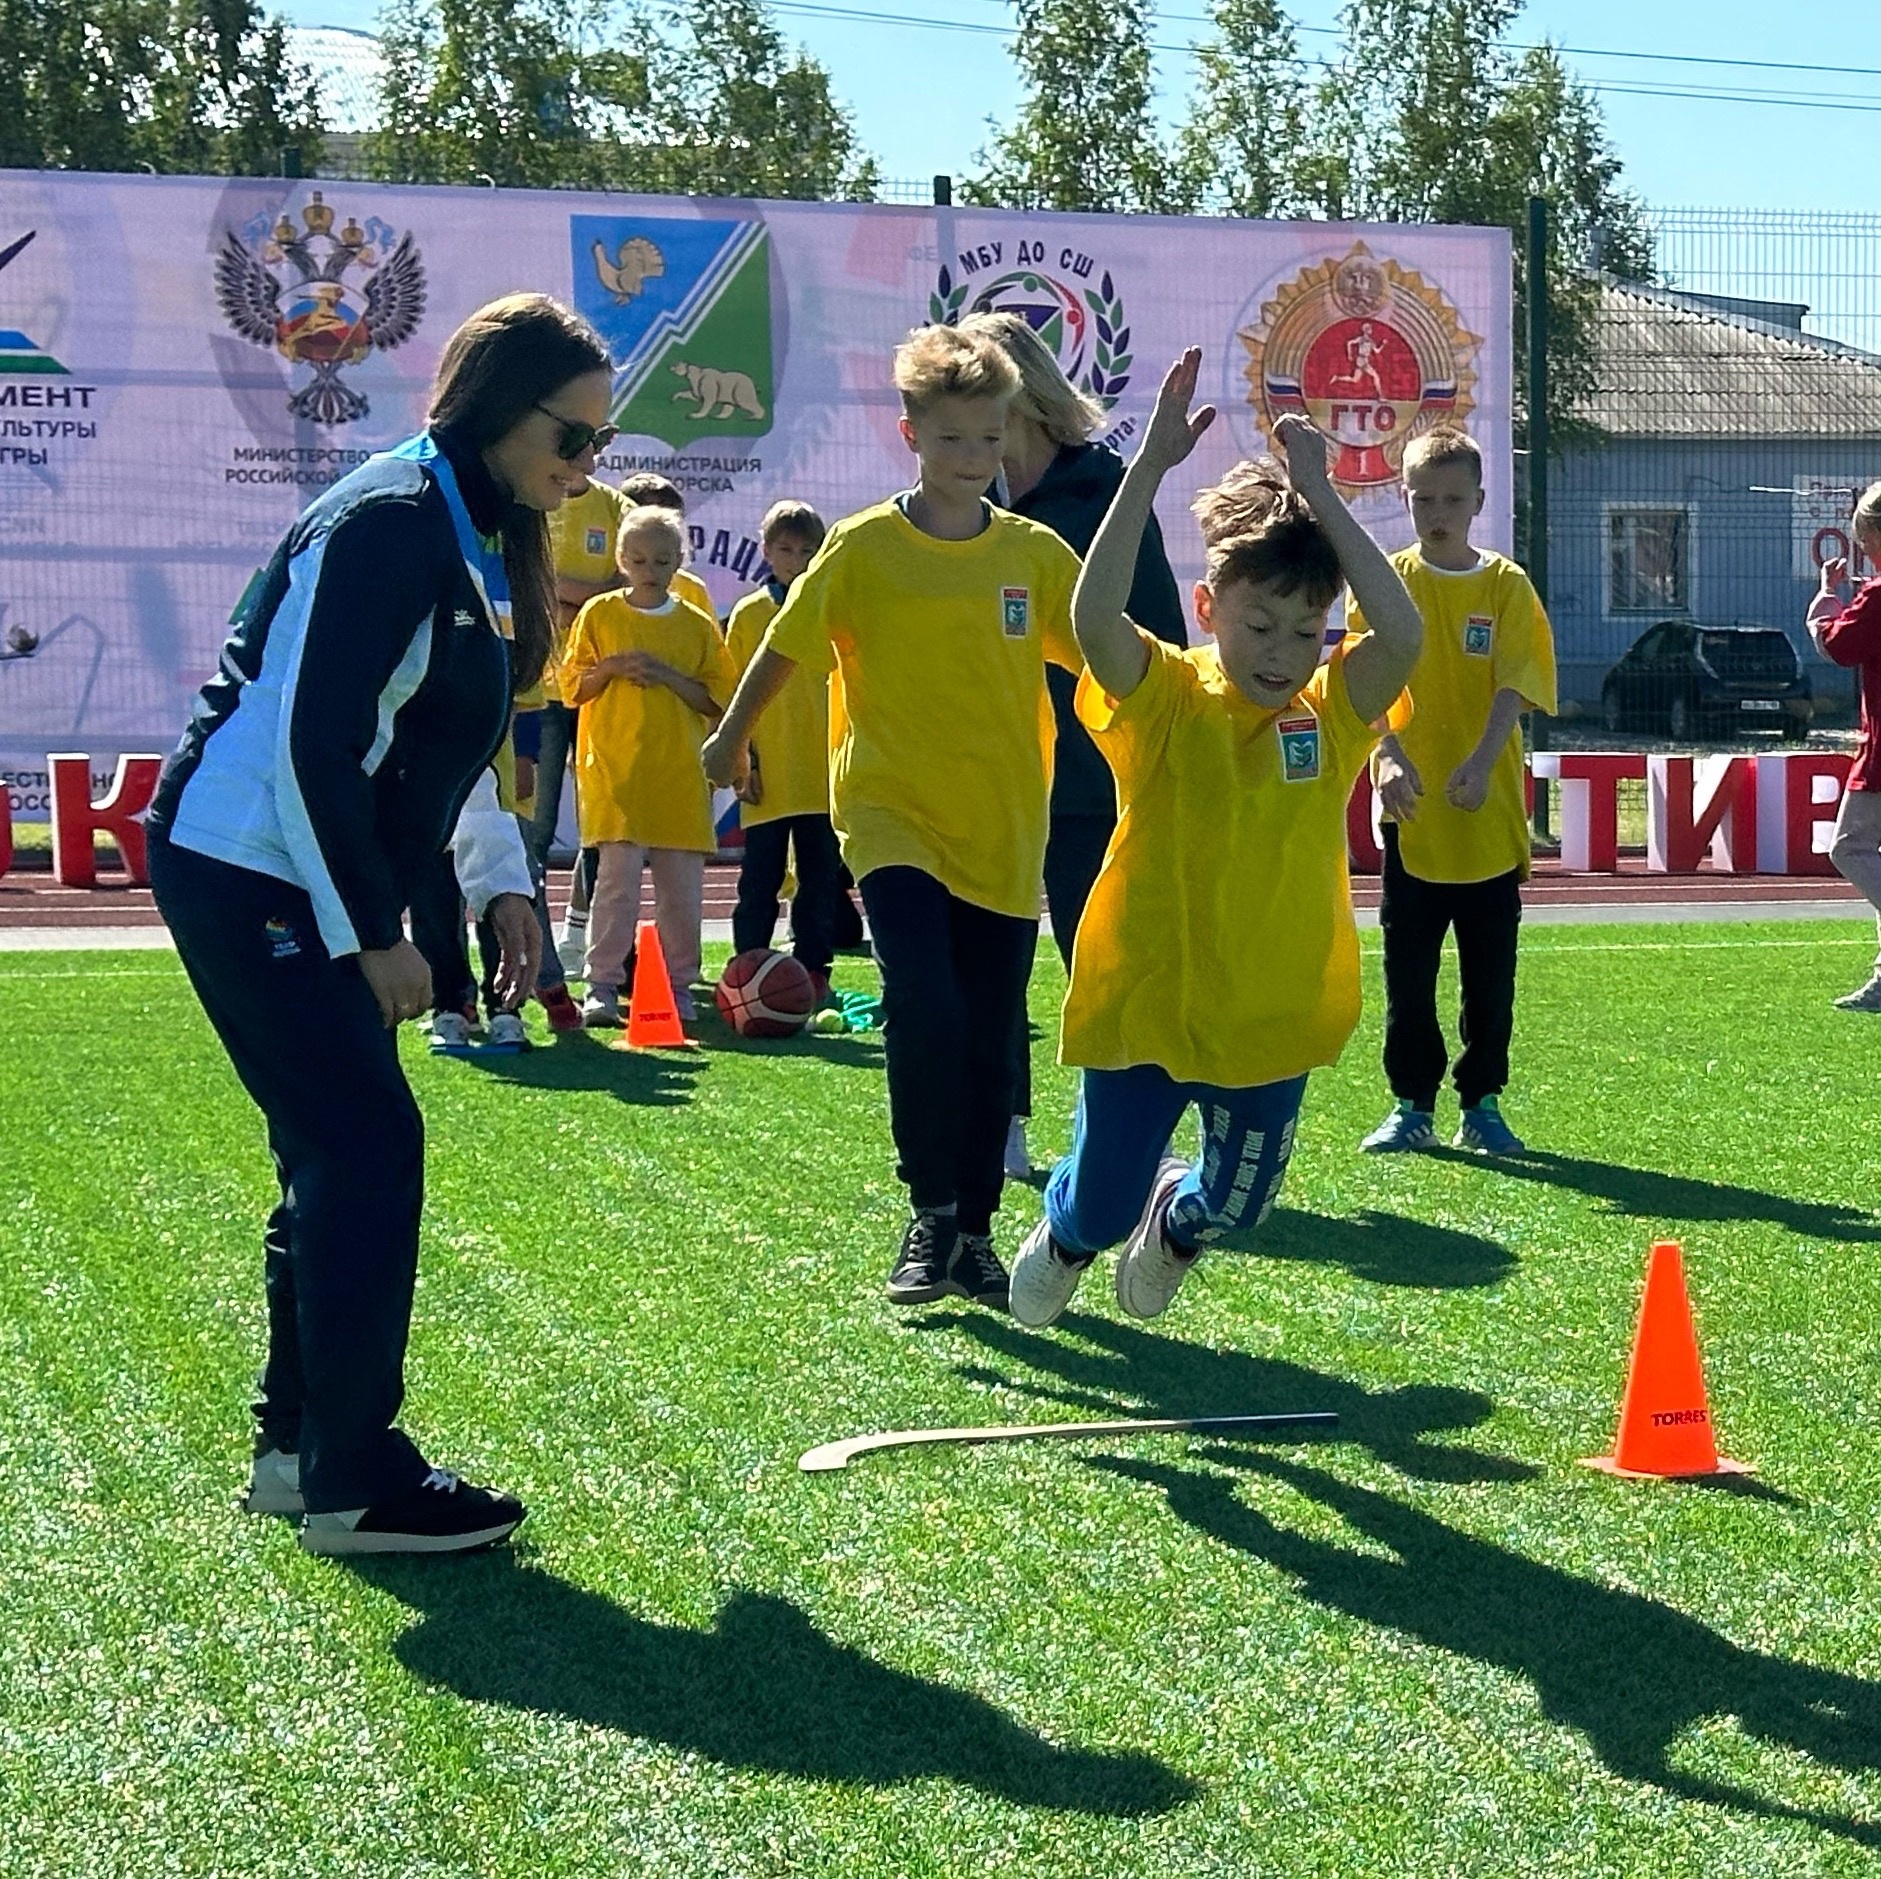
[507, 358]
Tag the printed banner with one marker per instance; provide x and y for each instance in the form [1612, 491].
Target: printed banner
[186, 362]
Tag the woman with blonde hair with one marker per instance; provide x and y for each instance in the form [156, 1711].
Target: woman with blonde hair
[1056, 473]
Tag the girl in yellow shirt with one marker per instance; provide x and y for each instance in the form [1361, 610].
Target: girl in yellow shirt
[1217, 961]
[650, 674]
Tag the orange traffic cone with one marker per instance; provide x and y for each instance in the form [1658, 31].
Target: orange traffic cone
[1665, 1422]
[652, 1016]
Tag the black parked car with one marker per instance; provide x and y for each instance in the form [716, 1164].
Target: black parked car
[1684, 678]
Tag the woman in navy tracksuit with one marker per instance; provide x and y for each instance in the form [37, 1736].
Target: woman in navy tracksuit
[345, 740]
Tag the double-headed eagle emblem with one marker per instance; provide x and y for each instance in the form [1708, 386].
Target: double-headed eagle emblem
[290, 291]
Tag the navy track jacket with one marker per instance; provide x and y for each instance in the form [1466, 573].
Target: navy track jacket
[361, 695]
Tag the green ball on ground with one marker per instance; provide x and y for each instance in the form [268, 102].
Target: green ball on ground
[829, 1023]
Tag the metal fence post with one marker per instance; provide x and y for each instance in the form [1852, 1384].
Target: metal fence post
[1536, 545]
[943, 192]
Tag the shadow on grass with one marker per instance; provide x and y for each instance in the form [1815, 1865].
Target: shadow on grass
[855, 1050]
[1126, 1372]
[763, 1688]
[582, 1060]
[1645, 1193]
[1629, 1673]
[1386, 1249]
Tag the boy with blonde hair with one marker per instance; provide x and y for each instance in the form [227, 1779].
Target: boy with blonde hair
[939, 612]
[1455, 804]
[785, 796]
[649, 672]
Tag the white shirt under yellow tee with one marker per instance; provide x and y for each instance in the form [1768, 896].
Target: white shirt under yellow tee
[637, 772]
[943, 727]
[1485, 631]
[791, 743]
[1219, 941]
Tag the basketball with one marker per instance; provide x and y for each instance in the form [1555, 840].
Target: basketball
[765, 994]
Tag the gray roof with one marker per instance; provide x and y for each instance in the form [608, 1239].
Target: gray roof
[346, 66]
[1678, 367]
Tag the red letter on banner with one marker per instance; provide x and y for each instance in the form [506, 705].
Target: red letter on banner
[76, 818]
[1791, 806]
[1590, 807]
[1678, 833]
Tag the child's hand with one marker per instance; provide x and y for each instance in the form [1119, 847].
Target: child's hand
[1304, 446]
[640, 667]
[1399, 786]
[525, 777]
[1173, 428]
[1469, 787]
[751, 790]
[727, 763]
[1834, 573]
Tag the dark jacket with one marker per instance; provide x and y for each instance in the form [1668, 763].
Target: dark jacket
[1070, 499]
[362, 692]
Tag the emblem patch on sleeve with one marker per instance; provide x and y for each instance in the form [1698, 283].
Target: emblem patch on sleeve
[1299, 746]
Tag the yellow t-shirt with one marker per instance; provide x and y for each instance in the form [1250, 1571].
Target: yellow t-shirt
[791, 744]
[1484, 631]
[637, 771]
[944, 728]
[581, 547]
[1219, 941]
[691, 589]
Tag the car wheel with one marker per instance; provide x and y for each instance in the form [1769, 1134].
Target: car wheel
[1679, 717]
[1612, 718]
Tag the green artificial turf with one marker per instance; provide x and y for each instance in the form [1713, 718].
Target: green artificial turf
[1425, 1644]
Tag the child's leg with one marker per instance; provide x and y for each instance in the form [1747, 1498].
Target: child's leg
[678, 905]
[754, 919]
[1247, 1139]
[1856, 848]
[819, 883]
[1022, 1046]
[992, 962]
[1488, 925]
[1414, 916]
[613, 913]
[924, 1022]
[1096, 1194]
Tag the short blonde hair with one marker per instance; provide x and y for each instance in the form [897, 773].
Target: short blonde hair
[936, 362]
[1868, 509]
[648, 518]
[796, 519]
[1444, 445]
[1065, 414]
[1257, 527]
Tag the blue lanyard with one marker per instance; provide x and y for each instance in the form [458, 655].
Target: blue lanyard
[483, 554]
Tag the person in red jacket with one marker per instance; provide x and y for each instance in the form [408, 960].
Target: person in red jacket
[1849, 632]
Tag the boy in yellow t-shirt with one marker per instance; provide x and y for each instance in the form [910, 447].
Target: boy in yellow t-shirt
[786, 793]
[1217, 960]
[1456, 815]
[649, 673]
[939, 613]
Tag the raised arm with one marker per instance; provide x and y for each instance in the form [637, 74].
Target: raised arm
[727, 752]
[1112, 647]
[1379, 666]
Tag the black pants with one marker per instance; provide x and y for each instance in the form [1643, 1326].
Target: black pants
[1073, 854]
[303, 1032]
[849, 934]
[437, 930]
[813, 910]
[953, 987]
[1415, 915]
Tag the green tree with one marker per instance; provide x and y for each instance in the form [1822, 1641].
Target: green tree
[1237, 153]
[1085, 137]
[226, 98]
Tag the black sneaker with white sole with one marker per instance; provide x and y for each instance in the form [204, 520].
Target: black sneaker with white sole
[975, 1272]
[440, 1515]
[920, 1274]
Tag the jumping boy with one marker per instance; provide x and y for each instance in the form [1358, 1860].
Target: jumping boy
[1456, 857]
[939, 611]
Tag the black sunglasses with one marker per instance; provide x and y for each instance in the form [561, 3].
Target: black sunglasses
[576, 438]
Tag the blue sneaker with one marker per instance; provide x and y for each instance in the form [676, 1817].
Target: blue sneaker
[1484, 1132]
[1406, 1127]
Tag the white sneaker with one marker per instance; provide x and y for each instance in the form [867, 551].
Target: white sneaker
[1151, 1271]
[1867, 999]
[1043, 1279]
[571, 937]
[600, 1011]
[274, 1485]
[450, 1030]
[1018, 1156]
[505, 1032]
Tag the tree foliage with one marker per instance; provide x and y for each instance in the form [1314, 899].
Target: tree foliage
[169, 85]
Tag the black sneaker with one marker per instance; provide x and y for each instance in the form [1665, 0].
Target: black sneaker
[975, 1272]
[920, 1274]
[440, 1515]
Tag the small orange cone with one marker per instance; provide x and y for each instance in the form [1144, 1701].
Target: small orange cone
[652, 1017]
[1665, 1421]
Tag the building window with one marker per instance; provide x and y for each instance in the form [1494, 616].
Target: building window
[1649, 561]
